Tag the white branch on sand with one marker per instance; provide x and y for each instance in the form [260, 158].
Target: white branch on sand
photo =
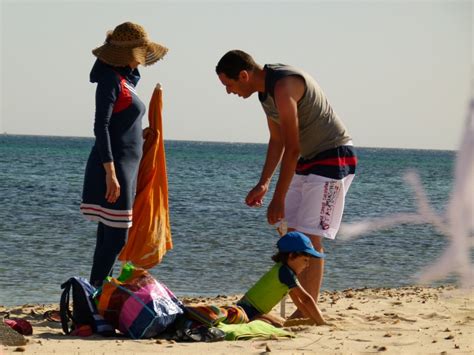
[457, 224]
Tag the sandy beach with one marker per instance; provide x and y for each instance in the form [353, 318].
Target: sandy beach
[408, 320]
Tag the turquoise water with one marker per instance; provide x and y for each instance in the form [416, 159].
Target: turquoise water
[220, 245]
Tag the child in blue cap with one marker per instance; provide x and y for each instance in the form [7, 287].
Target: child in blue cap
[294, 251]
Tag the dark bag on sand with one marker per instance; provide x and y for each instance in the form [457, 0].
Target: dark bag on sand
[84, 310]
[190, 330]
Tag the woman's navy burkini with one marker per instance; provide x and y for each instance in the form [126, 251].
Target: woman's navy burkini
[118, 133]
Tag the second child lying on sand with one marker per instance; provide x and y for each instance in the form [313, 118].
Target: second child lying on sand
[294, 251]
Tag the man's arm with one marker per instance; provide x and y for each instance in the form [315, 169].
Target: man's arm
[274, 152]
[306, 304]
[287, 93]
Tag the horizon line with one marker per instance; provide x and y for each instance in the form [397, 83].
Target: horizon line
[220, 142]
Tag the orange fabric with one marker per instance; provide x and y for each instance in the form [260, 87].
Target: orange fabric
[104, 299]
[149, 237]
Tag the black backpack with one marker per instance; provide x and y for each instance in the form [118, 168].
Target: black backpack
[84, 311]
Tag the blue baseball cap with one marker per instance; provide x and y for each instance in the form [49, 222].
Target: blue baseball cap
[297, 242]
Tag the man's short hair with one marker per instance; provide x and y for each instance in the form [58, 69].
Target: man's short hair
[233, 62]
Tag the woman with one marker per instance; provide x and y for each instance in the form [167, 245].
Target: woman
[112, 167]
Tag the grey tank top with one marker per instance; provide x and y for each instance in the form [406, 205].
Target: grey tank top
[320, 128]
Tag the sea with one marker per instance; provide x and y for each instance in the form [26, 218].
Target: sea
[221, 246]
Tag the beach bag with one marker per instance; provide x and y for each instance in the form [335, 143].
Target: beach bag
[138, 305]
[84, 311]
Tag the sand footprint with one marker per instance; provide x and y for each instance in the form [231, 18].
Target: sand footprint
[397, 317]
[434, 315]
[389, 316]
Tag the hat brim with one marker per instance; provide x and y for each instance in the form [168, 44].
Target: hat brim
[315, 254]
[121, 56]
[154, 53]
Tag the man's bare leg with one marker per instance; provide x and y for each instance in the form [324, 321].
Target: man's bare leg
[312, 277]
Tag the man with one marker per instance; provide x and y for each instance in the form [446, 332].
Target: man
[311, 144]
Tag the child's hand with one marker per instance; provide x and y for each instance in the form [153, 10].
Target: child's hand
[298, 321]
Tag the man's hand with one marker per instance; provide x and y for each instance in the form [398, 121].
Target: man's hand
[255, 196]
[276, 210]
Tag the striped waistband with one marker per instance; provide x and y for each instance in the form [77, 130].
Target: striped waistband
[334, 163]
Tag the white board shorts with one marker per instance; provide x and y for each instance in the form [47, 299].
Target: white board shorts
[314, 204]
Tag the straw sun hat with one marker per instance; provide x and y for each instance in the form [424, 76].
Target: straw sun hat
[129, 42]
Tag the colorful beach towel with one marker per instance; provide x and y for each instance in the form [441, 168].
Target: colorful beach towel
[138, 305]
[149, 237]
[253, 329]
[211, 315]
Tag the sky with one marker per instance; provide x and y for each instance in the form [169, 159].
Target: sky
[398, 73]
